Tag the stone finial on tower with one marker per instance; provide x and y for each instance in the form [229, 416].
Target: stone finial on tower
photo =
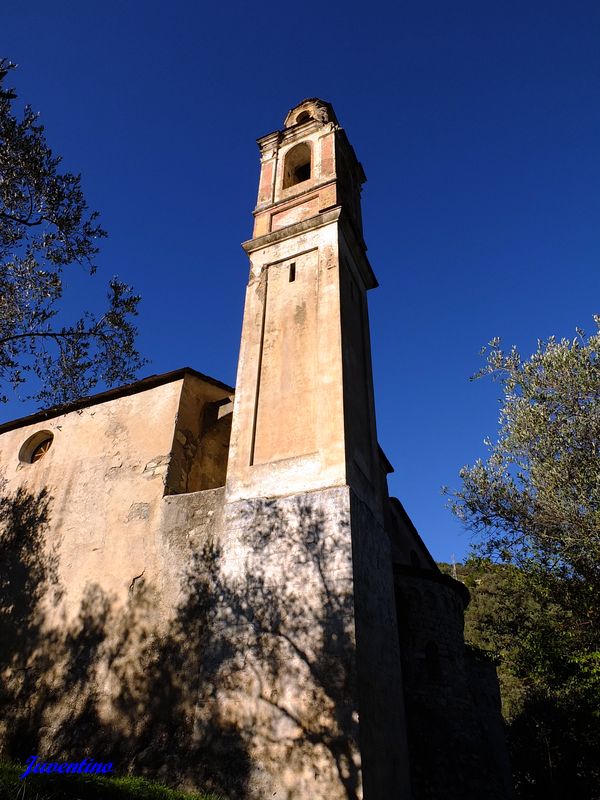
[308, 110]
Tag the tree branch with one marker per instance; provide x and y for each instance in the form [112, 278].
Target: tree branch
[53, 335]
[22, 221]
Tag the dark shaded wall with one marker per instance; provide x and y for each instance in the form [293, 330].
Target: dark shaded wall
[455, 729]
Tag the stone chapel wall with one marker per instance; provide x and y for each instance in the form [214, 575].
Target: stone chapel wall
[454, 726]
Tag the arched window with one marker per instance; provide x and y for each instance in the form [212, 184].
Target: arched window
[303, 116]
[36, 447]
[297, 165]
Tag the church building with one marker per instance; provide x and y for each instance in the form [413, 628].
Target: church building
[212, 586]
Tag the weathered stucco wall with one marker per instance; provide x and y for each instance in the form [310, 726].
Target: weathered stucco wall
[283, 440]
[108, 467]
[301, 649]
[279, 662]
[231, 661]
[104, 476]
[87, 588]
[201, 444]
[231, 664]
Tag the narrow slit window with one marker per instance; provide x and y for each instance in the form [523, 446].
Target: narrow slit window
[292, 276]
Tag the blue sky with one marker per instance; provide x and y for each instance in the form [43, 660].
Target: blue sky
[478, 126]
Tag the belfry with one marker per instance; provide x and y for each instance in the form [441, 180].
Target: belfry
[212, 585]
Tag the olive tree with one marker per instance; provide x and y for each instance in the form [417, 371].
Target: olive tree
[536, 499]
[46, 228]
[534, 505]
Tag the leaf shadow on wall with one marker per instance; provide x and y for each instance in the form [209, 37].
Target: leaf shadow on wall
[163, 701]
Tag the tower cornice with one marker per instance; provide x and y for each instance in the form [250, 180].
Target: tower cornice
[338, 214]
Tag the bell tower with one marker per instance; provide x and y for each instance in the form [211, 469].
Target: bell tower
[305, 470]
[304, 413]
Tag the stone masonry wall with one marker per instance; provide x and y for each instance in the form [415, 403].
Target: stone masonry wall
[300, 647]
[456, 746]
[382, 716]
[231, 665]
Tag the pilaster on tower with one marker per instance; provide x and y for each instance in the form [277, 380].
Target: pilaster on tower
[304, 413]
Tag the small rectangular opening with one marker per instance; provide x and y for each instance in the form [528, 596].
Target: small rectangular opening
[292, 277]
